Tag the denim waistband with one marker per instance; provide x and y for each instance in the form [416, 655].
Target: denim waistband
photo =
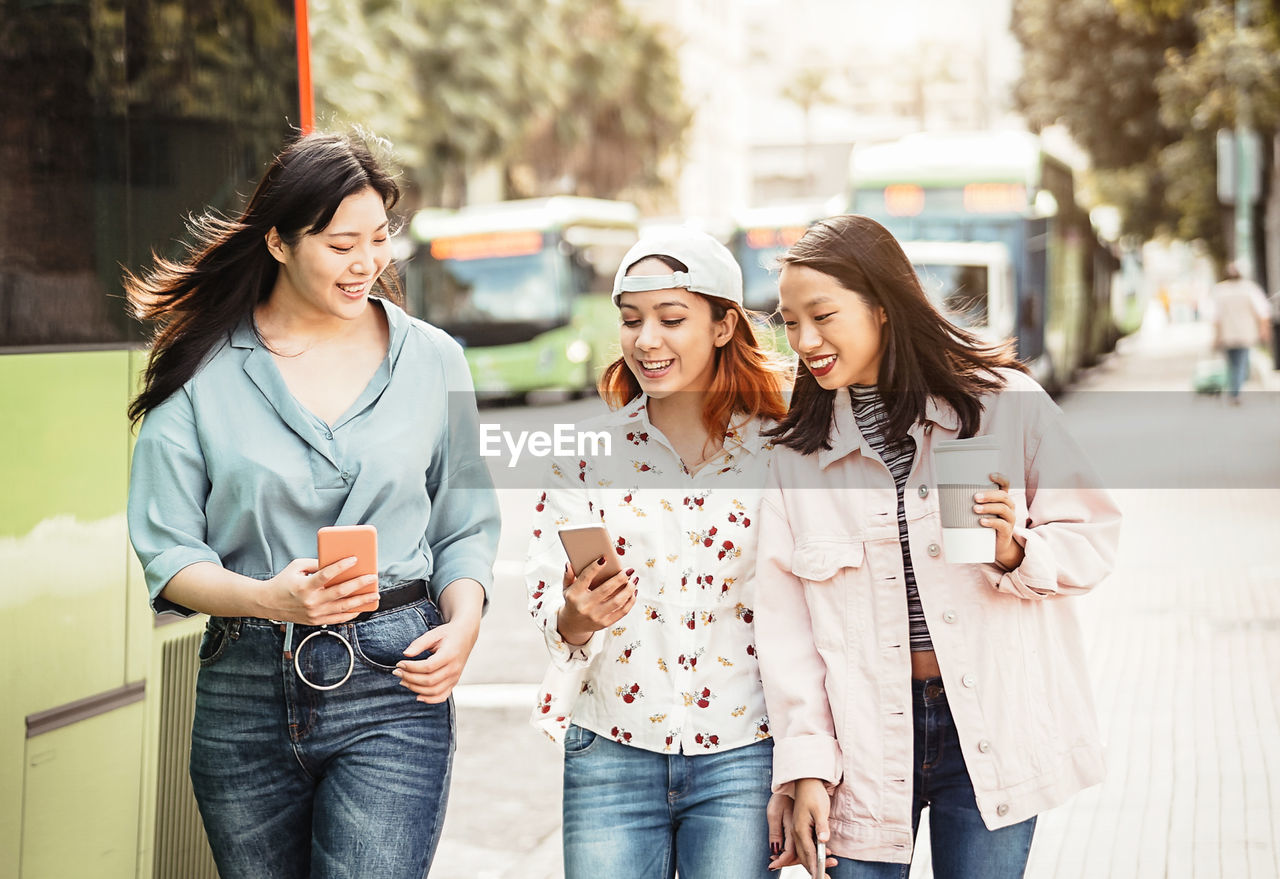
[928, 691]
[260, 622]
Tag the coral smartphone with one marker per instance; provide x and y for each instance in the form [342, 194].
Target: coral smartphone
[337, 542]
[585, 544]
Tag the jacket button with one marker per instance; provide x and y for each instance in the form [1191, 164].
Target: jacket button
[949, 617]
[984, 746]
[923, 491]
[968, 680]
[934, 550]
[1002, 809]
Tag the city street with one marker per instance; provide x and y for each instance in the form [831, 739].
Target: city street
[1184, 641]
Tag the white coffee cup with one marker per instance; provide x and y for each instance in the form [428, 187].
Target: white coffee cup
[962, 468]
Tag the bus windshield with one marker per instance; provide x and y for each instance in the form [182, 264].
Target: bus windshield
[960, 291]
[496, 289]
[760, 278]
[757, 251]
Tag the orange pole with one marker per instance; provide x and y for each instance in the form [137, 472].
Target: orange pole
[306, 97]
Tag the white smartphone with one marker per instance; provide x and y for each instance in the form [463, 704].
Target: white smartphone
[585, 545]
[821, 860]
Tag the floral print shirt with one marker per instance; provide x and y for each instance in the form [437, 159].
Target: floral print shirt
[678, 673]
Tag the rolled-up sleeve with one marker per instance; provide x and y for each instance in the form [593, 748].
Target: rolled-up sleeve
[168, 489]
[1071, 532]
[792, 671]
[463, 529]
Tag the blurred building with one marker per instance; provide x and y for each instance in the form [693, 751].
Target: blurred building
[709, 40]
[885, 69]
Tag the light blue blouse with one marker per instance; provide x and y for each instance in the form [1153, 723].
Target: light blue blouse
[232, 469]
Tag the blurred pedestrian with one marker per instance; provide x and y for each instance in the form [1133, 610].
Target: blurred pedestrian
[896, 679]
[1275, 329]
[654, 687]
[1241, 319]
[287, 391]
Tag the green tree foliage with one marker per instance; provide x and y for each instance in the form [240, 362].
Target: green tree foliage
[1143, 86]
[1200, 92]
[573, 94]
[1091, 69]
[617, 110]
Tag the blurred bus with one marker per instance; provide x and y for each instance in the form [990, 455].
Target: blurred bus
[118, 123]
[761, 235]
[524, 286]
[969, 281]
[1001, 187]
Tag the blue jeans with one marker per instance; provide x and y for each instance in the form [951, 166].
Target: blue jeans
[636, 814]
[298, 783]
[962, 846]
[1237, 369]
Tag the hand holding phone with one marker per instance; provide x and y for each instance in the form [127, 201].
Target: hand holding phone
[585, 545]
[337, 542]
[607, 597]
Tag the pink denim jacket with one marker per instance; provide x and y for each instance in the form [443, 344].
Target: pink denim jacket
[831, 623]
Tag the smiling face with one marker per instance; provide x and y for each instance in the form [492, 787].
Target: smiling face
[330, 273]
[669, 337]
[838, 334]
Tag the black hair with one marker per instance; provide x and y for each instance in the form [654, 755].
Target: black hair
[229, 271]
[924, 355]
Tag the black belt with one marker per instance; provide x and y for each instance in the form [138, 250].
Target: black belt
[397, 596]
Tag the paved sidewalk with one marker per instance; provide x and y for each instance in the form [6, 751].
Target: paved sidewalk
[1184, 648]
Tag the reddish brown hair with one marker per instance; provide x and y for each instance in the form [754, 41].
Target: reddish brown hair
[747, 380]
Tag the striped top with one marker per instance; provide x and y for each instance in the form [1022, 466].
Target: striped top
[898, 455]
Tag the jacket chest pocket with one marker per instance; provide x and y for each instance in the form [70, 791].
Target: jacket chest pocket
[828, 568]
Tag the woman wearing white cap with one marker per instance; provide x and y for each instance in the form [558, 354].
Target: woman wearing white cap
[654, 687]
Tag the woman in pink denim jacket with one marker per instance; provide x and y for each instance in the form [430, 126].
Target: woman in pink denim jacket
[895, 679]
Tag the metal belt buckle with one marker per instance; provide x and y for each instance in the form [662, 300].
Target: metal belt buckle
[351, 659]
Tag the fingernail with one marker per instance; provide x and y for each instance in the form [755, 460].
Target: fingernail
[630, 571]
[979, 497]
[600, 561]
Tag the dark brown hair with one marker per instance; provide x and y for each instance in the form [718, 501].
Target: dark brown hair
[229, 271]
[924, 354]
[746, 382]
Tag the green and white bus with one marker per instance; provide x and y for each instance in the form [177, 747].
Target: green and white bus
[1007, 188]
[524, 286]
[120, 121]
[761, 235]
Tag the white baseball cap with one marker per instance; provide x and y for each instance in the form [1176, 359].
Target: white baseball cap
[712, 269]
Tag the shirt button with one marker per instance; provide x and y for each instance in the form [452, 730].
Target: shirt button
[923, 491]
[949, 617]
[934, 550]
[345, 475]
[328, 435]
[968, 680]
[1002, 809]
[984, 746]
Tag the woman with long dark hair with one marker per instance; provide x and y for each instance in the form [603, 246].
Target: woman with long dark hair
[896, 677]
[287, 391]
